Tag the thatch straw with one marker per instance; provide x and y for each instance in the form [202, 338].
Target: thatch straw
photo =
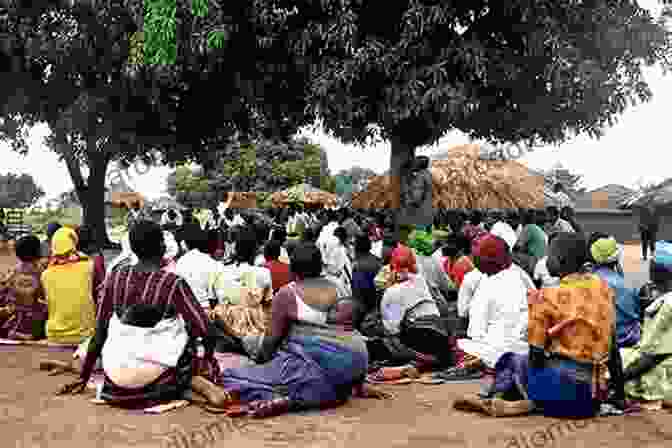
[304, 194]
[243, 199]
[464, 180]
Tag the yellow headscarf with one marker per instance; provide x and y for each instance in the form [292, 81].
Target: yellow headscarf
[64, 242]
[64, 247]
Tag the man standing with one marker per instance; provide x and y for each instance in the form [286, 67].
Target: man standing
[649, 222]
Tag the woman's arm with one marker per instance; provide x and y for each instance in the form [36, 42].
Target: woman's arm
[281, 316]
[193, 313]
[105, 310]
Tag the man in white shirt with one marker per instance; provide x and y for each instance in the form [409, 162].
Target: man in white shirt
[198, 268]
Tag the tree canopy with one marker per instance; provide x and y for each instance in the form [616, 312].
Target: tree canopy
[263, 166]
[18, 191]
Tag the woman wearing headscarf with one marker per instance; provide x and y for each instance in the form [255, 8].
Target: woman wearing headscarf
[68, 284]
[605, 253]
[647, 376]
[497, 312]
[410, 318]
[571, 333]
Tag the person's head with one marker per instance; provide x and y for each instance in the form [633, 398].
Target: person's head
[513, 218]
[195, 237]
[491, 254]
[476, 217]
[605, 252]
[451, 247]
[147, 241]
[309, 235]
[52, 228]
[403, 260]
[246, 245]
[567, 212]
[567, 254]
[362, 245]
[172, 214]
[527, 217]
[306, 261]
[421, 163]
[557, 188]
[553, 213]
[272, 250]
[28, 248]
[341, 234]
[87, 242]
[661, 276]
[64, 242]
[596, 236]
[279, 235]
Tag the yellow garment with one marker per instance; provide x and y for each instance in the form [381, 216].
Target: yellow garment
[72, 312]
[64, 241]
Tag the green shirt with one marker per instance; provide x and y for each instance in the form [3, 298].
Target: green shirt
[533, 241]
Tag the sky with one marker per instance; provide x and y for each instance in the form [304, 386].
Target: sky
[630, 152]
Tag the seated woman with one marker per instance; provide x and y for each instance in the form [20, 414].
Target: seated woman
[310, 356]
[571, 335]
[605, 253]
[146, 329]
[364, 271]
[21, 294]
[244, 290]
[69, 289]
[412, 328]
[128, 258]
[456, 260]
[647, 376]
[497, 313]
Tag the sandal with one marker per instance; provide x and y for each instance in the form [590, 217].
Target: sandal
[459, 374]
[269, 408]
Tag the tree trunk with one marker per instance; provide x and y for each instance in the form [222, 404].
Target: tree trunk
[400, 154]
[93, 201]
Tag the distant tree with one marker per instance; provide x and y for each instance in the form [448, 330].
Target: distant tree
[358, 177]
[18, 191]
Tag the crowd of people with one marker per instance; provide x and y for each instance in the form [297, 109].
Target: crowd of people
[318, 305]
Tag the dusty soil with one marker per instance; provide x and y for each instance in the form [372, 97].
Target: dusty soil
[420, 416]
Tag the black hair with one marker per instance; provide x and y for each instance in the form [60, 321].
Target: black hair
[172, 214]
[476, 217]
[421, 163]
[279, 234]
[147, 242]
[557, 187]
[552, 210]
[306, 261]
[309, 235]
[246, 246]
[195, 237]
[86, 242]
[575, 252]
[28, 248]
[362, 244]
[272, 250]
[341, 234]
[142, 315]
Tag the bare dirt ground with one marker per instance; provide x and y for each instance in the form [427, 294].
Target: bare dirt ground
[420, 417]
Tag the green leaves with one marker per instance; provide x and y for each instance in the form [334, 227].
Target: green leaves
[199, 8]
[160, 44]
[217, 39]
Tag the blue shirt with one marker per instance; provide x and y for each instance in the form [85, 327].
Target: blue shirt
[626, 299]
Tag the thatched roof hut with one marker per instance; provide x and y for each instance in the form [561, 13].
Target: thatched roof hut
[306, 194]
[465, 180]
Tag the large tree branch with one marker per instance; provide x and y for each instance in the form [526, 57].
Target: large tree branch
[65, 150]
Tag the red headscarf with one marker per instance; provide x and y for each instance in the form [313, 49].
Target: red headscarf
[403, 260]
[492, 254]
